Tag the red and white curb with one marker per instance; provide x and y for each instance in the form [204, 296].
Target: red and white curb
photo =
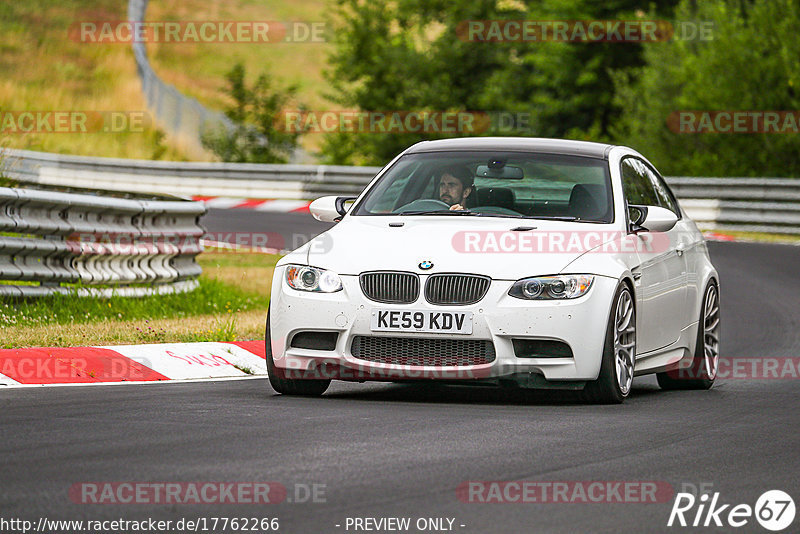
[720, 236]
[266, 205]
[131, 363]
[717, 236]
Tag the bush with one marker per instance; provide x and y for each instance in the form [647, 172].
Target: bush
[752, 63]
[257, 136]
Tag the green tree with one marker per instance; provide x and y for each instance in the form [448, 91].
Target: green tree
[410, 55]
[258, 135]
[752, 64]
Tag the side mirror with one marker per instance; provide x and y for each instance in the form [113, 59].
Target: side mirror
[651, 219]
[329, 209]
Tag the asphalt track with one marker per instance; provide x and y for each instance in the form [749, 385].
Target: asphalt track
[402, 450]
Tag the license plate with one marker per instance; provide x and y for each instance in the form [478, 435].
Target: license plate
[441, 322]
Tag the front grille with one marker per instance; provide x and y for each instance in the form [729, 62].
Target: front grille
[390, 286]
[456, 289]
[423, 351]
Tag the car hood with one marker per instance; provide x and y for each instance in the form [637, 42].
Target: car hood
[479, 245]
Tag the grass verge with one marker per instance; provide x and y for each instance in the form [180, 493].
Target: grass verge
[229, 305]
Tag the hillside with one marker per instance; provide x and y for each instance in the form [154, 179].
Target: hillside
[43, 70]
[198, 69]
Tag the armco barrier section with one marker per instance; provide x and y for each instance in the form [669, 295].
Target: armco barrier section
[750, 204]
[755, 204]
[248, 180]
[104, 246]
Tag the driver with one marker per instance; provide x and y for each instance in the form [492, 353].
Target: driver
[455, 186]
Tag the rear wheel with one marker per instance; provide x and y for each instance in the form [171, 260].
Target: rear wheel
[311, 387]
[705, 362]
[613, 384]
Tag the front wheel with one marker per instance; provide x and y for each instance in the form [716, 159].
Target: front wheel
[705, 361]
[613, 384]
[311, 387]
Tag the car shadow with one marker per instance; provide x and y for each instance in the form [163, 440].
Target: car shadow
[454, 394]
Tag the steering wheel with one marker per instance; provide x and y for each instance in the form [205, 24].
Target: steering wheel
[423, 204]
[497, 210]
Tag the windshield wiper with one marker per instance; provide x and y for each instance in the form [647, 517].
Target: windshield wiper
[559, 218]
[440, 212]
[569, 218]
[504, 216]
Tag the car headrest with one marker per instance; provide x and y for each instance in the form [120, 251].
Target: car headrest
[496, 196]
[588, 201]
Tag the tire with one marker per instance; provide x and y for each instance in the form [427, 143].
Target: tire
[705, 361]
[613, 384]
[290, 386]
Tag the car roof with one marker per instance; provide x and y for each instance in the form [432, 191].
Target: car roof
[516, 144]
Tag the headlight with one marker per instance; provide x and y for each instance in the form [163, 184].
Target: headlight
[306, 278]
[570, 286]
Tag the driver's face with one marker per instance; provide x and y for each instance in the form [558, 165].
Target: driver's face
[452, 191]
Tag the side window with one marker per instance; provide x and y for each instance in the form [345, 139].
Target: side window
[636, 183]
[665, 198]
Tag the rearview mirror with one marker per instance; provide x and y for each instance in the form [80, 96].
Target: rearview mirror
[508, 172]
[651, 219]
[329, 209]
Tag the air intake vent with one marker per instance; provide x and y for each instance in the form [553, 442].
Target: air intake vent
[456, 289]
[315, 340]
[390, 287]
[541, 348]
[423, 351]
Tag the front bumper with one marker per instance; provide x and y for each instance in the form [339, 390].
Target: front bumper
[580, 323]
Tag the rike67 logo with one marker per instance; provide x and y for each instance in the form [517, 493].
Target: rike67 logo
[774, 510]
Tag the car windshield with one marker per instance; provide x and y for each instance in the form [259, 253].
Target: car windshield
[494, 184]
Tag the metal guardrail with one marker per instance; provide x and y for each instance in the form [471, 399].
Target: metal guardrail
[755, 204]
[769, 205]
[104, 246]
[251, 180]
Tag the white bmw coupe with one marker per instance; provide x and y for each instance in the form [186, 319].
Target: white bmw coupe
[534, 263]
